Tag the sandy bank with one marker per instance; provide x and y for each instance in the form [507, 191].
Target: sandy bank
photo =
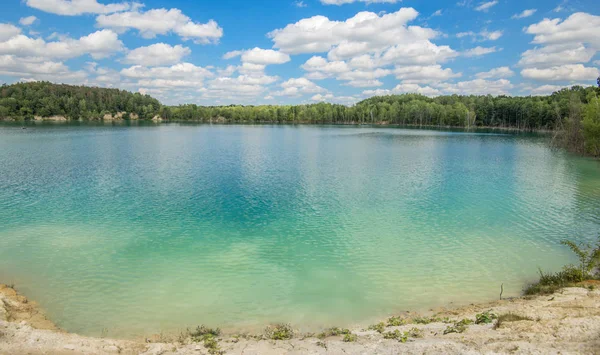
[567, 322]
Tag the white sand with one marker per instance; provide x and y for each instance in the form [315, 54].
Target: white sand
[567, 322]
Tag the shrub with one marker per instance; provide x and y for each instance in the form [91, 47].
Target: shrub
[395, 322]
[350, 338]
[279, 332]
[331, 332]
[485, 318]
[379, 327]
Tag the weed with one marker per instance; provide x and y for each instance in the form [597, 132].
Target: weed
[415, 333]
[322, 344]
[379, 327]
[331, 332]
[396, 334]
[486, 317]
[279, 332]
[395, 322]
[350, 338]
[458, 327]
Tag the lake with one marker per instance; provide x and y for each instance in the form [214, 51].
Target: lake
[130, 230]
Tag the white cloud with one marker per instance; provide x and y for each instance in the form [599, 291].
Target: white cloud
[479, 51]
[182, 70]
[544, 89]
[484, 35]
[34, 69]
[496, 73]
[485, 6]
[524, 14]
[557, 54]
[157, 54]
[424, 74]
[259, 56]
[344, 100]
[300, 4]
[364, 33]
[404, 89]
[76, 7]
[342, 2]
[99, 44]
[8, 31]
[27, 21]
[579, 27]
[297, 87]
[569, 72]
[161, 22]
[437, 13]
[477, 87]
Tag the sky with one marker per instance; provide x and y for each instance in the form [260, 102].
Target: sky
[302, 51]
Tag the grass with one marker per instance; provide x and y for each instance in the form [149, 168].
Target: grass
[570, 275]
[395, 321]
[350, 338]
[379, 327]
[331, 332]
[208, 336]
[510, 317]
[428, 320]
[279, 332]
[486, 317]
[404, 336]
[458, 327]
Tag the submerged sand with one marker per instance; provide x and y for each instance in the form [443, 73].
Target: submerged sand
[567, 322]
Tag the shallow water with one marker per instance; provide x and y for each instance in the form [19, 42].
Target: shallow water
[134, 230]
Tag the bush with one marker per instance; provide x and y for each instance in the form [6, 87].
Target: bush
[331, 332]
[279, 332]
[350, 338]
[485, 318]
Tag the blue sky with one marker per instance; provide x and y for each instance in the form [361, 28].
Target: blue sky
[287, 51]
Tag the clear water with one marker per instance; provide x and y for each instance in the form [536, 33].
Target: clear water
[145, 229]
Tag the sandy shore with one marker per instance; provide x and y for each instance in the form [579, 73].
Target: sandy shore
[567, 322]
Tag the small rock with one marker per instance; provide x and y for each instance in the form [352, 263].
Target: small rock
[69, 347]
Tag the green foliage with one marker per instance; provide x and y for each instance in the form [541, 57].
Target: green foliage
[202, 331]
[395, 321]
[279, 332]
[427, 320]
[588, 268]
[26, 100]
[591, 125]
[459, 326]
[350, 338]
[334, 331]
[485, 318]
[397, 335]
[379, 327]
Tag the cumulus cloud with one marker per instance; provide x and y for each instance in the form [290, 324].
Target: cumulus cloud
[484, 35]
[364, 33]
[479, 51]
[524, 14]
[259, 56]
[485, 6]
[496, 73]
[35, 69]
[27, 21]
[579, 27]
[100, 44]
[297, 87]
[157, 54]
[424, 74]
[8, 31]
[76, 7]
[569, 72]
[161, 22]
[557, 54]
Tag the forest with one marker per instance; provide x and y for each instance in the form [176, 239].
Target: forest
[24, 101]
[574, 112]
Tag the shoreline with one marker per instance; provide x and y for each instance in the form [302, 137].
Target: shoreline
[566, 322]
[215, 122]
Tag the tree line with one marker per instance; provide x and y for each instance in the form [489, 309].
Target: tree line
[573, 113]
[25, 101]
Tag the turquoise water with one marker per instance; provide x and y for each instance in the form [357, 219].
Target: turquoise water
[154, 228]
